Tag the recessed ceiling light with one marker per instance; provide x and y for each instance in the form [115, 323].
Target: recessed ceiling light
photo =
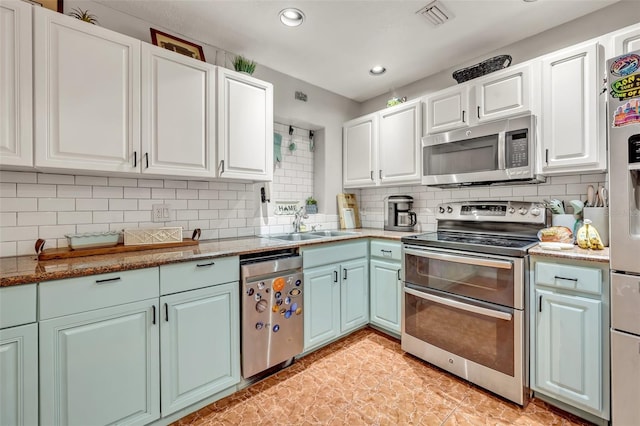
[291, 17]
[377, 70]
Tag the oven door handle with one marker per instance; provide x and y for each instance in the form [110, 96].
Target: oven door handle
[492, 263]
[460, 305]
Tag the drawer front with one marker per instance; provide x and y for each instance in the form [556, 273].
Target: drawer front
[198, 274]
[625, 303]
[333, 253]
[569, 277]
[386, 250]
[75, 295]
[17, 305]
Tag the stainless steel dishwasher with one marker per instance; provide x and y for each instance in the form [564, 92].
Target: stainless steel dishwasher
[272, 311]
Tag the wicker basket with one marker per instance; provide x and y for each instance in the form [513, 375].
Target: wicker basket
[485, 67]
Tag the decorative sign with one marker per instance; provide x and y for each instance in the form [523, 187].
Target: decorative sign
[286, 208]
[625, 65]
[629, 113]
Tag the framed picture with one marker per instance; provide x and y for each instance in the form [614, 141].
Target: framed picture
[176, 44]
[55, 5]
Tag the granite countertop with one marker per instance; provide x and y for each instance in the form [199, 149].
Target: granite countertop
[576, 253]
[27, 269]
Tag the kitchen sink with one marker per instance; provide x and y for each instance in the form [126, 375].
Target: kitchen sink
[329, 233]
[295, 236]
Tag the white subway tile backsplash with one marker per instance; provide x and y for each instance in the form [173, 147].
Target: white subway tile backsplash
[92, 204]
[18, 233]
[8, 248]
[108, 192]
[123, 204]
[208, 194]
[8, 219]
[175, 184]
[137, 193]
[56, 179]
[19, 205]
[137, 216]
[71, 218]
[26, 190]
[114, 181]
[37, 218]
[150, 183]
[55, 231]
[193, 184]
[108, 217]
[56, 204]
[74, 191]
[18, 177]
[8, 190]
[92, 180]
[159, 194]
[186, 194]
[197, 204]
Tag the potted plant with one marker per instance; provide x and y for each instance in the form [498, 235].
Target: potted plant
[242, 64]
[84, 15]
[311, 205]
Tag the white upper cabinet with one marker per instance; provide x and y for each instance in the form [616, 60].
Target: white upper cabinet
[497, 95]
[16, 137]
[178, 114]
[359, 143]
[626, 40]
[383, 148]
[245, 127]
[87, 95]
[399, 143]
[503, 94]
[572, 136]
[448, 109]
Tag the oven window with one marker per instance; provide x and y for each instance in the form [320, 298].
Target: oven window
[482, 339]
[487, 283]
[468, 156]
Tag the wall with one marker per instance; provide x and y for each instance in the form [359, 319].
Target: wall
[603, 21]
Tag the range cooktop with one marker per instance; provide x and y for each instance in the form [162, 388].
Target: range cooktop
[479, 243]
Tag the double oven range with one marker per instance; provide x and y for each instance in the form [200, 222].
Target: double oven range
[465, 288]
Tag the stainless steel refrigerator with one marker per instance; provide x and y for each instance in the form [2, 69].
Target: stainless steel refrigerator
[623, 85]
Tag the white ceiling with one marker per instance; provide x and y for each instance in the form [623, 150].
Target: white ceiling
[341, 40]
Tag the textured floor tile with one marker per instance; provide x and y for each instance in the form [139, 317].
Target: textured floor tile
[366, 379]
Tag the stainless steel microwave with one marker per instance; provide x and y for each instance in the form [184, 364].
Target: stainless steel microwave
[500, 152]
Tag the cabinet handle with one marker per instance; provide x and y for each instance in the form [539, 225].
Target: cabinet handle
[385, 251]
[380, 174]
[153, 320]
[546, 156]
[221, 166]
[166, 312]
[135, 159]
[344, 274]
[335, 276]
[463, 112]
[108, 280]
[399, 278]
[201, 265]
[371, 174]
[478, 111]
[146, 159]
[567, 279]
[540, 304]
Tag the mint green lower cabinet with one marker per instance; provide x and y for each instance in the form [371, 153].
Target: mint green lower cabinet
[101, 367]
[568, 348]
[321, 305]
[19, 375]
[200, 344]
[386, 291]
[354, 294]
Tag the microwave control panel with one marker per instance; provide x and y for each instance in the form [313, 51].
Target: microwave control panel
[517, 149]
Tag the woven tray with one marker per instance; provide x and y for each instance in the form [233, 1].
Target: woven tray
[485, 67]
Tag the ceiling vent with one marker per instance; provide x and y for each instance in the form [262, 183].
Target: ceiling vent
[435, 13]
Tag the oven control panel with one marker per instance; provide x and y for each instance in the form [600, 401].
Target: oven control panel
[493, 211]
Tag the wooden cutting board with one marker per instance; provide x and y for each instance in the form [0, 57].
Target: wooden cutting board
[346, 202]
[67, 253]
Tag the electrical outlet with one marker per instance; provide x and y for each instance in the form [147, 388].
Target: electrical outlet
[161, 212]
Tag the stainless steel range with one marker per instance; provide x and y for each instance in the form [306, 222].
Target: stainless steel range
[465, 288]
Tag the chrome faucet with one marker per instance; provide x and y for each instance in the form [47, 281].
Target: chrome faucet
[297, 219]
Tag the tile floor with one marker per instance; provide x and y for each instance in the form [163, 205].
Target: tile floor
[366, 379]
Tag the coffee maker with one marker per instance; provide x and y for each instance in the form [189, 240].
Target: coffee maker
[398, 215]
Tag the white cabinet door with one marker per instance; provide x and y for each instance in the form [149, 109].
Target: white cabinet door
[19, 375]
[354, 294]
[447, 109]
[399, 144]
[572, 135]
[245, 127]
[101, 367]
[625, 378]
[178, 114]
[568, 352]
[359, 143]
[386, 293]
[87, 95]
[16, 79]
[627, 41]
[200, 344]
[508, 93]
